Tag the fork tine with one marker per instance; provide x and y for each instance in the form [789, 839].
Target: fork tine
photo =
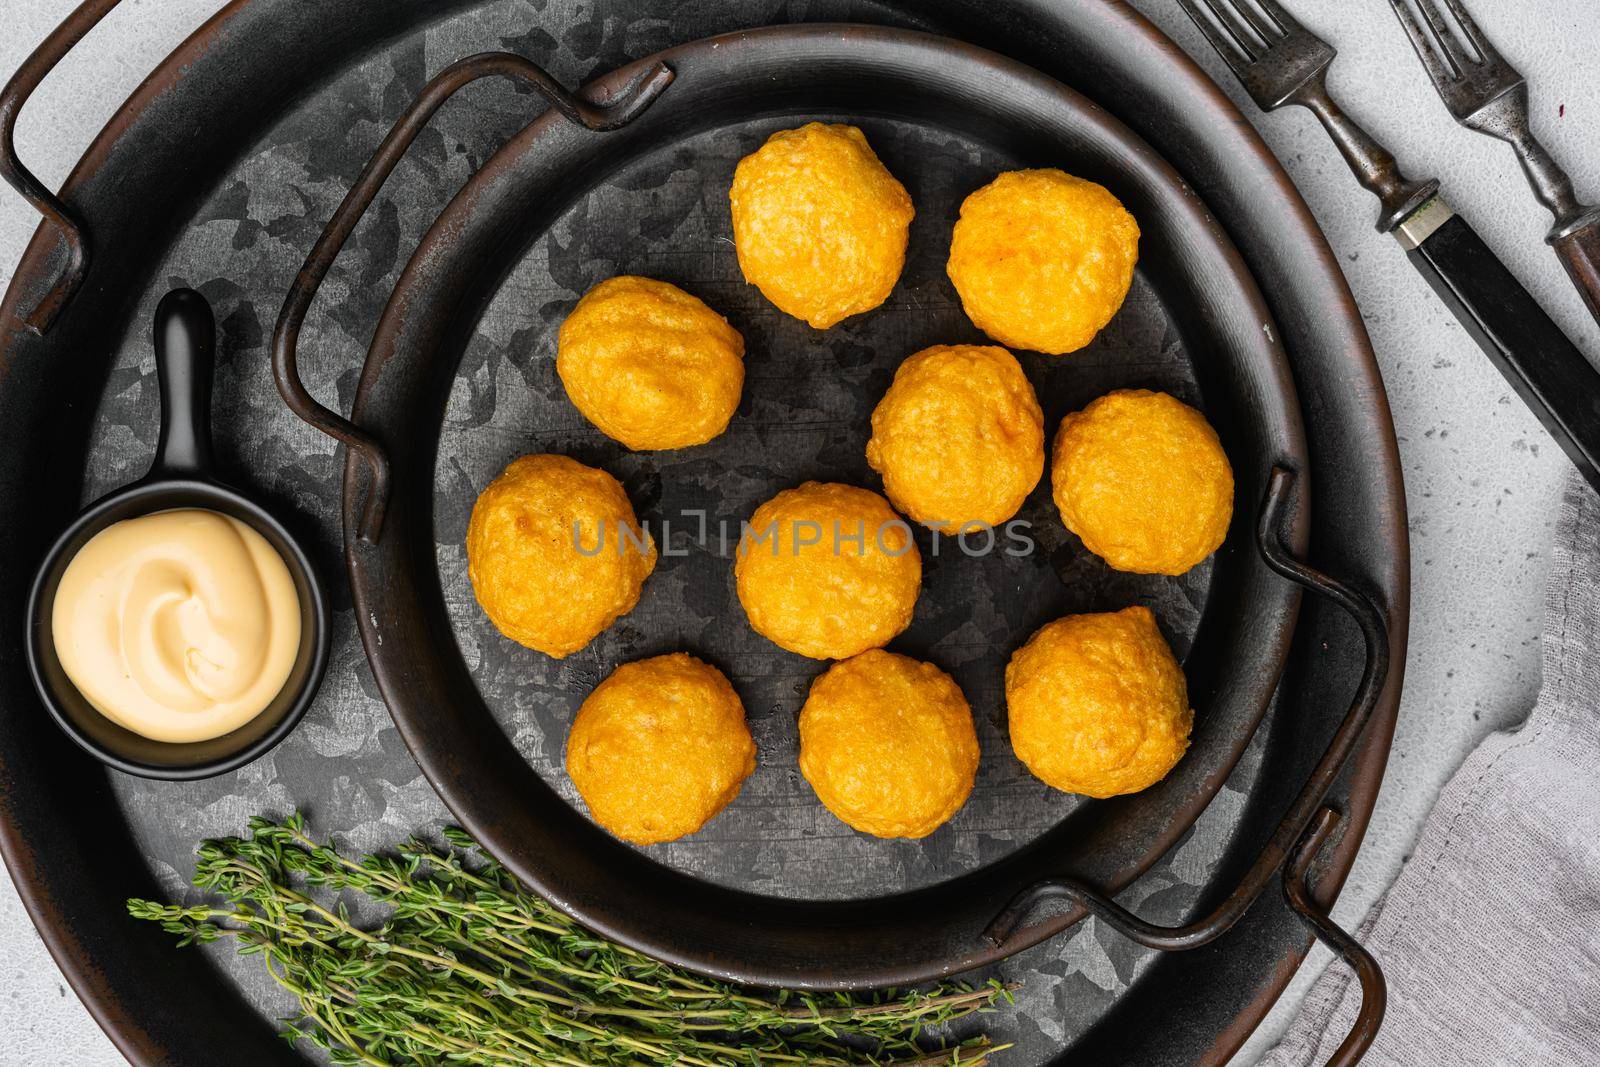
[1441, 74]
[1287, 23]
[1445, 37]
[1225, 40]
[1249, 15]
[1469, 28]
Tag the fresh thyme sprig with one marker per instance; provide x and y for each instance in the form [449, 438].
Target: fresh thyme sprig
[470, 967]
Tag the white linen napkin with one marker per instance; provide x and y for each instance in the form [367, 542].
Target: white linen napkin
[1490, 936]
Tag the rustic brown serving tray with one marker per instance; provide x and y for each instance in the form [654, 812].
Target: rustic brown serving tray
[460, 380]
[283, 148]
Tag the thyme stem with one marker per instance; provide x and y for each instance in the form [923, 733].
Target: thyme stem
[469, 967]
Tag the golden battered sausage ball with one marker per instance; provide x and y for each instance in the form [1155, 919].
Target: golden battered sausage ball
[1042, 260]
[650, 365]
[888, 744]
[659, 748]
[555, 553]
[828, 571]
[819, 223]
[1143, 480]
[1098, 705]
[959, 437]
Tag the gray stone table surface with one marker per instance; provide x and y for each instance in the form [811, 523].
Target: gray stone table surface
[1482, 479]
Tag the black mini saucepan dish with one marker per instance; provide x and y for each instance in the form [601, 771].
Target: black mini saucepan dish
[182, 476]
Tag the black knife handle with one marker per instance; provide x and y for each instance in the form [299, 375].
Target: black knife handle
[1546, 369]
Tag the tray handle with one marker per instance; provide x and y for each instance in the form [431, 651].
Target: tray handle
[1303, 829]
[613, 114]
[34, 70]
[1297, 890]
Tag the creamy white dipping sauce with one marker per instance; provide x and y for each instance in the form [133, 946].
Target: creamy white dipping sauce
[181, 626]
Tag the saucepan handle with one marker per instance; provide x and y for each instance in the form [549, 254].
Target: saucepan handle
[186, 352]
[613, 114]
[1304, 828]
[16, 93]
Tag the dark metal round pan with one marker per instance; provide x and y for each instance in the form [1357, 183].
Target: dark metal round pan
[774, 891]
[248, 89]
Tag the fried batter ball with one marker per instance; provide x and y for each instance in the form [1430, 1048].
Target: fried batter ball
[1042, 260]
[819, 224]
[555, 553]
[888, 744]
[1097, 704]
[1141, 477]
[659, 748]
[959, 437]
[828, 571]
[650, 365]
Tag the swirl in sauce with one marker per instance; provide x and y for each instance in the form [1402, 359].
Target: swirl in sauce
[181, 626]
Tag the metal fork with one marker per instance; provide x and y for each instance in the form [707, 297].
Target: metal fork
[1487, 94]
[1281, 62]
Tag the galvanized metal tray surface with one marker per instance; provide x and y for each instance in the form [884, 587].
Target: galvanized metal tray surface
[238, 235]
